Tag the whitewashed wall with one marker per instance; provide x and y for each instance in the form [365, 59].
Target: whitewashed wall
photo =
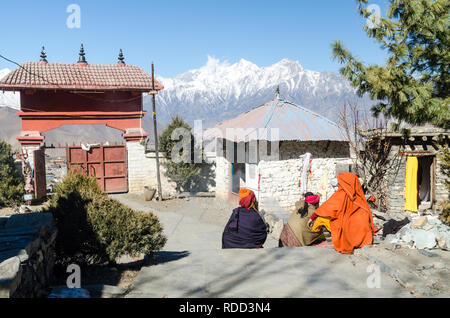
[279, 187]
[279, 183]
[142, 170]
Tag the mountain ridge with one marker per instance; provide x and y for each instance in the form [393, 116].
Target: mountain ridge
[220, 90]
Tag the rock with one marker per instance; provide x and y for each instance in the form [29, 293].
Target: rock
[391, 238]
[419, 223]
[423, 239]
[428, 227]
[424, 267]
[380, 215]
[277, 229]
[441, 242]
[439, 265]
[427, 254]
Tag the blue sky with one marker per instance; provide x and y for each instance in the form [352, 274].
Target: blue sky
[178, 35]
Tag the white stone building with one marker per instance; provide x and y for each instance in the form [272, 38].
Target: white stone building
[262, 150]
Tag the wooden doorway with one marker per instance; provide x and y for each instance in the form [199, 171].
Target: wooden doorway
[108, 163]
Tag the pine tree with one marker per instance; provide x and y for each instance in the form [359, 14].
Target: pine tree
[413, 85]
[11, 182]
[186, 172]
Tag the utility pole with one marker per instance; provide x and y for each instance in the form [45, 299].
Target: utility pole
[155, 133]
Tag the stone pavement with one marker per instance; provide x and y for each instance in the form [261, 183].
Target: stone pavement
[422, 272]
[192, 264]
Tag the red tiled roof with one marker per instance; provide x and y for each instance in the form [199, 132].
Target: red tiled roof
[38, 75]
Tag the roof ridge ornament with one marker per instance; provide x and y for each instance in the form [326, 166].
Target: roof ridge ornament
[277, 93]
[121, 58]
[81, 58]
[43, 56]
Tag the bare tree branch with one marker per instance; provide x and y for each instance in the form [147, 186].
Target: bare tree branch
[374, 160]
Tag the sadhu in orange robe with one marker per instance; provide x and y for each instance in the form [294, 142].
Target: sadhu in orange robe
[350, 216]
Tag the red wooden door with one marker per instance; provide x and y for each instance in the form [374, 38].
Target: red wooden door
[108, 163]
[40, 184]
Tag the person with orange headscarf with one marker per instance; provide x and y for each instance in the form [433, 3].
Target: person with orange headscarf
[245, 228]
[350, 217]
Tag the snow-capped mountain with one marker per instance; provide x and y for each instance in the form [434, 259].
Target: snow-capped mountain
[8, 99]
[220, 90]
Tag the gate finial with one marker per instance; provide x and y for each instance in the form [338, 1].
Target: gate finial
[43, 55]
[81, 58]
[121, 58]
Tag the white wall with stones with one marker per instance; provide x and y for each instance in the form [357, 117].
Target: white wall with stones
[142, 170]
[279, 183]
[396, 184]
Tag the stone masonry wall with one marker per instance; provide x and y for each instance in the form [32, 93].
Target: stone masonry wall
[441, 190]
[279, 184]
[222, 177]
[395, 195]
[396, 186]
[142, 171]
[26, 255]
[279, 189]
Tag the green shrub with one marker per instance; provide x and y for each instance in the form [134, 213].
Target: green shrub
[76, 241]
[94, 229]
[11, 182]
[122, 230]
[185, 174]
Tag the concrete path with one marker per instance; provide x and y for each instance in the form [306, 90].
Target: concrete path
[192, 264]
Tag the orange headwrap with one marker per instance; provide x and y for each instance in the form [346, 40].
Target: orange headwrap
[246, 198]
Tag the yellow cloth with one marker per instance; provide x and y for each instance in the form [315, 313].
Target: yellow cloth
[319, 222]
[412, 165]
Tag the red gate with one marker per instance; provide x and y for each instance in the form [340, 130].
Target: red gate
[40, 184]
[108, 163]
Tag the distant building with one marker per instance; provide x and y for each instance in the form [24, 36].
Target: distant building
[290, 132]
[55, 94]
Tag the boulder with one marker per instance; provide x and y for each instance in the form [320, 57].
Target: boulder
[419, 223]
[423, 239]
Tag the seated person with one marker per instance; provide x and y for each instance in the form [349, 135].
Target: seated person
[296, 231]
[245, 228]
[349, 215]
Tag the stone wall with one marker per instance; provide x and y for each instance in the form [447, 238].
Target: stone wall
[279, 183]
[142, 171]
[395, 194]
[26, 255]
[279, 188]
[223, 177]
[441, 190]
[396, 184]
